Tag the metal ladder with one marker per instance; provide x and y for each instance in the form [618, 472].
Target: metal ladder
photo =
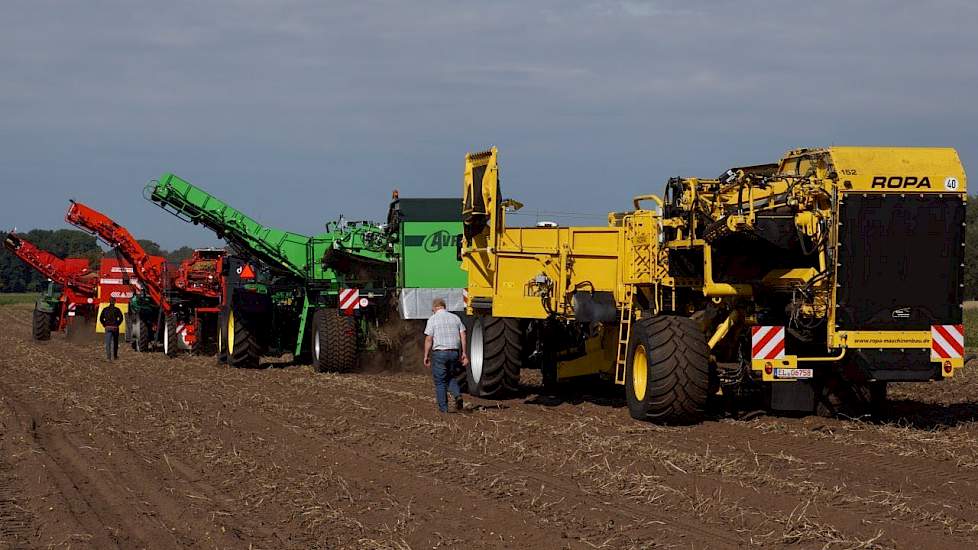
[624, 331]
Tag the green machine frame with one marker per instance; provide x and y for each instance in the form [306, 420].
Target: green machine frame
[298, 279]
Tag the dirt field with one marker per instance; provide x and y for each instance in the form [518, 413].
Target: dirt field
[156, 453]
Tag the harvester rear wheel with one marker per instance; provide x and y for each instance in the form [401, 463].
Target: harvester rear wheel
[41, 323]
[170, 336]
[495, 357]
[318, 344]
[242, 346]
[461, 373]
[667, 375]
[334, 341]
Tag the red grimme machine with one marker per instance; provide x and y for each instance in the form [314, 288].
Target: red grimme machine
[58, 309]
[177, 308]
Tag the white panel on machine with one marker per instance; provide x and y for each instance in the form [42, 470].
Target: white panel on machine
[415, 303]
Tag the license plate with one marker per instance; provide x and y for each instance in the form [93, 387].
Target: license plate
[793, 373]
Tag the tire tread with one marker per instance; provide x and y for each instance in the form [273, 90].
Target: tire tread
[41, 325]
[339, 332]
[678, 371]
[502, 357]
[245, 345]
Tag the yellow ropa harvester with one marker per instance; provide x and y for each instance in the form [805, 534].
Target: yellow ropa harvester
[811, 282]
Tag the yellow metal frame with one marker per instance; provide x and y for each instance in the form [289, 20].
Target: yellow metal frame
[123, 307]
[786, 362]
[880, 339]
[598, 359]
[532, 273]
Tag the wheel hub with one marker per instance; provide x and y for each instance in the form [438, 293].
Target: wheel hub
[315, 345]
[640, 372]
[231, 333]
[475, 358]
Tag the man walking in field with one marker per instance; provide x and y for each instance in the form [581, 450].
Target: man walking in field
[444, 348]
[111, 318]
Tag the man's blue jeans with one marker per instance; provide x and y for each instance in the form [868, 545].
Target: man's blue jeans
[111, 344]
[443, 364]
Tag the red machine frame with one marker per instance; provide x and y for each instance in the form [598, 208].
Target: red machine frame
[196, 287]
[78, 282]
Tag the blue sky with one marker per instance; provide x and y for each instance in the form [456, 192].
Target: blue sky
[299, 111]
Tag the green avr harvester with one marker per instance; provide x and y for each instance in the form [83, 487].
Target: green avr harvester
[323, 296]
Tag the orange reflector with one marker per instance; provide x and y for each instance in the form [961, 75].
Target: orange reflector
[768, 368]
[247, 272]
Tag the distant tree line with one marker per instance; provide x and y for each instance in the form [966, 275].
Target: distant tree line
[971, 250]
[16, 276]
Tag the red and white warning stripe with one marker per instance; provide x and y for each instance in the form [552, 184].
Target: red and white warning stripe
[946, 341]
[767, 342]
[349, 300]
[71, 310]
[465, 296]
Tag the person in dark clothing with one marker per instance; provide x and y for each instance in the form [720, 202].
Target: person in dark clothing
[111, 319]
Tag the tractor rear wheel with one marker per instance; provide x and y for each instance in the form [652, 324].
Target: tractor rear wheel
[141, 337]
[242, 345]
[667, 374]
[222, 337]
[41, 324]
[495, 357]
[334, 341]
[170, 336]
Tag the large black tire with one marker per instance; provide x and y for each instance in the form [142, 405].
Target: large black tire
[318, 342]
[495, 357]
[242, 351]
[41, 324]
[461, 374]
[334, 341]
[222, 338]
[667, 371]
[171, 344]
[141, 337]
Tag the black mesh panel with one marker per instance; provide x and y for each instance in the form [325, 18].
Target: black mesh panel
[900, 261]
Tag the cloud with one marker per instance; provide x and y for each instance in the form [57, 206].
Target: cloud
[299, 111]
